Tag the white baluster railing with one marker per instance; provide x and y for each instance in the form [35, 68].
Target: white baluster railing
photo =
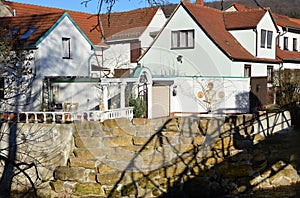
[65, 117]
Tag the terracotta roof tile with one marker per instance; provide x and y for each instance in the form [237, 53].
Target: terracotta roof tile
[243, 19]
[288, 55]
[218, 33]
[285, 21]
[40, 23]
[240, 7]
[119, 22]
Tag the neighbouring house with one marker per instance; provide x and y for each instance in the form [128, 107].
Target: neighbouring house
[202, 48]
[287, 42]
[75, 53]
[53, 39]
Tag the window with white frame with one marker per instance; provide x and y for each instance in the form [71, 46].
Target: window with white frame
[182, 39]
[295, 44]
[263, 38]
[247, 70]
[66, 44]
[266, 36]
[269, 39]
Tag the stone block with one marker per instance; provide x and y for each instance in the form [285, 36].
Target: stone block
[82, 189]
[203, 124]
[87, 142]
[80, 162]
[111, 123]
[123, 122]
[104, 168]
[235, 169]
[93, 153]
[65, 173]
[140, 121]
[198, 140]
[117, 141]
[141, 141]
[57, 185]
[129, 130]
[108, 178]
[224, 143]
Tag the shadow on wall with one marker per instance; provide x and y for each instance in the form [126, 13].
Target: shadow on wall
[242, 102]
[230, 168]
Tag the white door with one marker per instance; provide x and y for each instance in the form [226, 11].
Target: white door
[160, 101]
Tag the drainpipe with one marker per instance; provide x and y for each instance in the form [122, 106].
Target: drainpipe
[255, 31]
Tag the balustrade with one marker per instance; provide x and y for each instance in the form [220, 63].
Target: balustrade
[67, 117]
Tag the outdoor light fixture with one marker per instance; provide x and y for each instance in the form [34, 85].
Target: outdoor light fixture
[174, 92]
[179, 58]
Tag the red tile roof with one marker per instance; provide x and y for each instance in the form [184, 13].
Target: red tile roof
[288, 55]
[211, 21]
[240, 7]
[246, 19]
[42, 23]
[126, 23]
[285, 21]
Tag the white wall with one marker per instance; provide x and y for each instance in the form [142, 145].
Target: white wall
[290, 36]
[266, 23]
[117, 56]
[201, 60]
[50, 52]
[247, 38]
[85, 94]
[230, 94]
[118, 53]
[49, 61]
[156, 24]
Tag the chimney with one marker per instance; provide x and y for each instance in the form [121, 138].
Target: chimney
[200, 2]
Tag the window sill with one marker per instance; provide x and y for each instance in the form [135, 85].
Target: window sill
[176, 48]
[66, 58]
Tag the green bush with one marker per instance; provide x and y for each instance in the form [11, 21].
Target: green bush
[139, 107]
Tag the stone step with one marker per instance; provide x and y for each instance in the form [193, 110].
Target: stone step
[87, 142]
[92, 153]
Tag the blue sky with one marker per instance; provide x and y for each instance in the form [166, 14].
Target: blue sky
[121, 5]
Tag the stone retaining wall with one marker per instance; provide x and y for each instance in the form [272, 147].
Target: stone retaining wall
[150, 158]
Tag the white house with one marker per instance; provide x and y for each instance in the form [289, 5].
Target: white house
[92, 51]
[288, 39]
[202, 42]
[54, 40]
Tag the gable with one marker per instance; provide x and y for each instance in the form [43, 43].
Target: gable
[65, 15]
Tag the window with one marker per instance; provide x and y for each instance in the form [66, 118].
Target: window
[182, 39]
[1, 88]
[266, 36]
[269, 39]
[28, 33]
[247, 71]
[270, 73]
[263, 39]
[295, 44]
[285, 43]
[66, 42]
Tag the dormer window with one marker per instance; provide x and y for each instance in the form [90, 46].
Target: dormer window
[269, 39]
[295, 44]
[182, 39]
[266, 36]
